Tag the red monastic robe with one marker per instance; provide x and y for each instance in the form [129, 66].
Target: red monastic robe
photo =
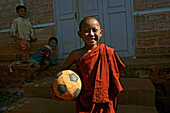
[99, 72]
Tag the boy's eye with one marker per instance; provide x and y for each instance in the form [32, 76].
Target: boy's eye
[86, 31]
[95, 30]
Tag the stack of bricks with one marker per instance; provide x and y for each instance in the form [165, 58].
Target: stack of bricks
[152, 31]
[39, 12]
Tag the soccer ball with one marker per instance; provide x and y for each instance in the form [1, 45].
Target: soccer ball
[66, 85]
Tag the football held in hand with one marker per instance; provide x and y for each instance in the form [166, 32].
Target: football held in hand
[66, 85]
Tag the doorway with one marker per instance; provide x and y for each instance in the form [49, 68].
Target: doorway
[115, 17]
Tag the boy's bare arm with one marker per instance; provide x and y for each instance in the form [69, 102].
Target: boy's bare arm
[69, 61]
[32, 35]
[13, 30]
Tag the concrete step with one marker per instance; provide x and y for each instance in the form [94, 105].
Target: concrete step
[136, 91]
[136, 109]
[43, 105]
[40, 88]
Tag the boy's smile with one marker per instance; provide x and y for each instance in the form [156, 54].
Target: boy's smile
[90, 32]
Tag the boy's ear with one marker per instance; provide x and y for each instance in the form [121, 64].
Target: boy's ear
[101, 32]
[79, 33]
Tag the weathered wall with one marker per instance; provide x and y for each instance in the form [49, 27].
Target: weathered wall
[39, 12]
[152, 31]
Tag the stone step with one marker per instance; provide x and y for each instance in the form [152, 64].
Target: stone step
[136, 91]
[136, 109]
[41, 88]
[43, 105]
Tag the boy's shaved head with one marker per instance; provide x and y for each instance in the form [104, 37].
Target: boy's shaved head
[86, 19]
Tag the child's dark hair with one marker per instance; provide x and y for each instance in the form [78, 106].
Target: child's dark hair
[53, 38]
[19, 7]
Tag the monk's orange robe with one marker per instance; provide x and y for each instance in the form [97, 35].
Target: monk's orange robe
[99, 72]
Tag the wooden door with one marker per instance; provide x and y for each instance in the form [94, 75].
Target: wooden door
[66, 27]
[118, 26]
[115, 17]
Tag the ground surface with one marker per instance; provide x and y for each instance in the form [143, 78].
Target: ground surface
[8, 98]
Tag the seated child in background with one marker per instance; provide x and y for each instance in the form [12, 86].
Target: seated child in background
[43, 58]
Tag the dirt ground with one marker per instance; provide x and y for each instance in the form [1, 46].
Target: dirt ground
[8, 98]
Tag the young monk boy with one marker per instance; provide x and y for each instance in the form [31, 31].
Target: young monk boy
[98, 67]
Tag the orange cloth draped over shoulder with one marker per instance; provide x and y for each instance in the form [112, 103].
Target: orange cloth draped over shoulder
[99, 72]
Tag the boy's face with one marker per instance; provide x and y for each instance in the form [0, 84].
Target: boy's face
[52, 44]
[90, 32]
[21, 12]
